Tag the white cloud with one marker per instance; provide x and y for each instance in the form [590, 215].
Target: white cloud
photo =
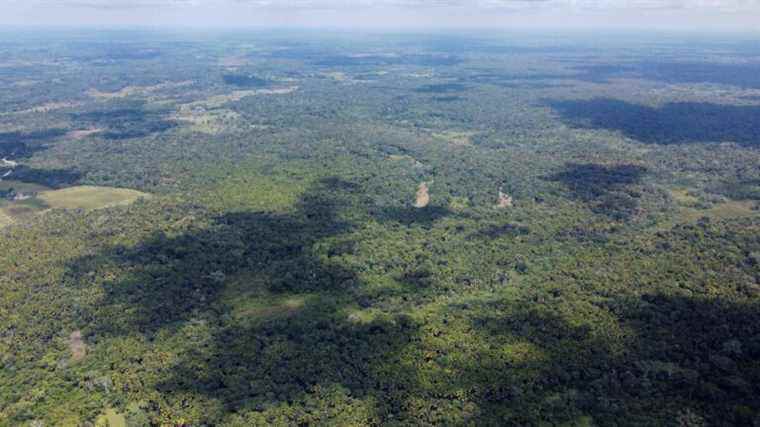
[115, 4]
[700, 15]
[485, 5]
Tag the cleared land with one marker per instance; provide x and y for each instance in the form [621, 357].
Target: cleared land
[136, 90]
[90, 197]
[459, 138]
[422, 197]
[82, 133]
[81, 197]
[77, 346]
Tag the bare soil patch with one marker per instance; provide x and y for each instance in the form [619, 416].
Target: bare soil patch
[77, 346]
[423, 196]
[81, 133]
[504, 201]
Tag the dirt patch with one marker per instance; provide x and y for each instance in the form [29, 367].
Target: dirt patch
[504, 201]
[82, 133]
[77, 346]
[422, 198]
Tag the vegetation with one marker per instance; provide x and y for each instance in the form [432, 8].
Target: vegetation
[89, 197]
[279, 267]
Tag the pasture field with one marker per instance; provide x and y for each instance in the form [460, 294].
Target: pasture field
[89, 197]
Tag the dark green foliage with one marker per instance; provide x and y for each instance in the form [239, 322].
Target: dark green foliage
[380, 60]
[244, 81]
[106, 53]
[680, 349]
[125, 123]
[442, 88]
[608, 190]
[743, 74]
[673, 123]
[8, 194]
[18, 145]
[281, 274]
[447, 98]
[53, 178]
[497, 231]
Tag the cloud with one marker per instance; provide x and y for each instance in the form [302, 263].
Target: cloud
[116, 4]
[472, 5]
[691, 15]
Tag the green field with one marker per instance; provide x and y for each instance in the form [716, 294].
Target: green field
[89, 197]
[79, 197]
[5, 219]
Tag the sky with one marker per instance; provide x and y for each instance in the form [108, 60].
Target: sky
[689, 15]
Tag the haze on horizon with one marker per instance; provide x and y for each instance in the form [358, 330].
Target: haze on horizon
[685, 15]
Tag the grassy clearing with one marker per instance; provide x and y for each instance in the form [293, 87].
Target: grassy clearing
[136, 90]
[217, 101]
[463, 138]
[683, 197]
[210, 122]
[90, 197]
[5, 219]
[111, 419]
[248, 191]
[81, 197]
[251, 302]
[690, 211]
[726, 210]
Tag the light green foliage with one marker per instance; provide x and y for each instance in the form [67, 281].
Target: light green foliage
[89, 197]
[280, 274]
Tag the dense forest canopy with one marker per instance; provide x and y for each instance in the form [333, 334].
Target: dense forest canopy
[315, 228]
